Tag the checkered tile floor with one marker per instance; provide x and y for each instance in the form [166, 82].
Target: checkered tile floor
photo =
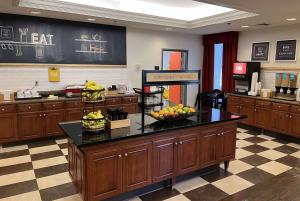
[38, 171]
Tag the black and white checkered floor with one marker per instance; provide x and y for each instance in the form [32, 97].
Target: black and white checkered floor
[38, 171]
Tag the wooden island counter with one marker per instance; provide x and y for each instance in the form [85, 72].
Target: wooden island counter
[121, 160]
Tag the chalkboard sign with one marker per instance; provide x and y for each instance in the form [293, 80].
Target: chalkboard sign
[260, 51]
[286, 50]
[26, 39]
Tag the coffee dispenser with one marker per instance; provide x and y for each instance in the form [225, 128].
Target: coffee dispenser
[286, 85]
[242, 75]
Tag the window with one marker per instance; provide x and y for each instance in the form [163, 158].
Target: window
[218, 61]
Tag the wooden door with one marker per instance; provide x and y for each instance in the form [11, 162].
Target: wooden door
[280, 121]
[30, 125]
[130, 108]
[226, 143]
[233, 107]
[8, 127]
[137, 166]
[262, 118]
[249, 112]
[105, 171]
[164, 153]
[52, 118]
[295, 124]
[208, 147]
[188, 157]
[74, 114]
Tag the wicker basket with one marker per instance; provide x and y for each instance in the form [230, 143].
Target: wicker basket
[93, 125]
[92, 96]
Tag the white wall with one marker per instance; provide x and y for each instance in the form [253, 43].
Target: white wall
[143, 48]
[272, 35]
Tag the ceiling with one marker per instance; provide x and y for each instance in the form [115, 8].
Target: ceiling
[245, 12]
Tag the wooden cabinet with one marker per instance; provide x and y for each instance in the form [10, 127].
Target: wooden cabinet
[280, 121]
[105, 172]
[163, 159]
[208, 147]
[295, 124]
[226, 143]
[188, 157]
[73, 114]
[51, 120]
[130, 108]
[8, 127]
[30, 125]
[262, 118]
[137, 166]
[249, 111]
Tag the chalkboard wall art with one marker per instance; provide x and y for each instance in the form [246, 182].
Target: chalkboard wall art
[260, 51]
[26, 39]
[286, 50]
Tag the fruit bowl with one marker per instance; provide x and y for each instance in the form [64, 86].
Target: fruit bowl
[93, 122]
[92, 96]
[174, 113]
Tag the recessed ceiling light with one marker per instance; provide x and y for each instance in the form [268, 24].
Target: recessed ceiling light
[35, 12]
[244, 26]
[291, 19]
[91, 19]
[168, 29]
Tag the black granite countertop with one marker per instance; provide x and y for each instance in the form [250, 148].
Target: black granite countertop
[58, 99]
[204, 117]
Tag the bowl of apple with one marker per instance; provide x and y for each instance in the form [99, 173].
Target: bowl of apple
[92, 92]
[93, 122]
[173, 113]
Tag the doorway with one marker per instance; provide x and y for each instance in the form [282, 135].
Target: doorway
[175, 59]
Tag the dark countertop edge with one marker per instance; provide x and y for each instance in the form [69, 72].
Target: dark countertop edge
[59, 99]
[154, 133]
[265, 99]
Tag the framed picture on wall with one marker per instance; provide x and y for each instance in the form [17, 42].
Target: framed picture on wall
[286, 50]
[260, 51]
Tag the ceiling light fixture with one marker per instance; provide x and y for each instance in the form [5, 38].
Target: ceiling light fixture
[91, 19]
[291, 19]
[244, 26]
[35, 12]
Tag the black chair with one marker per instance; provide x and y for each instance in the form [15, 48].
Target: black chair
[215, 99]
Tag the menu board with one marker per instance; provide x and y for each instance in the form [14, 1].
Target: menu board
[286, 50]
[260, 51]
[26, 39]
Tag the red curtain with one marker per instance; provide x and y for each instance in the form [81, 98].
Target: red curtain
[230, 46]
[208, 68]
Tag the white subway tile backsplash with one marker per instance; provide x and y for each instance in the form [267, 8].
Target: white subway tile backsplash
[24, 77]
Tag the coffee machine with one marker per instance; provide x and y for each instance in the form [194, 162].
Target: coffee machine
[286, 85]
[242, 75]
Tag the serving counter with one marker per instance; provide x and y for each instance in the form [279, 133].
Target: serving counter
[121, 160]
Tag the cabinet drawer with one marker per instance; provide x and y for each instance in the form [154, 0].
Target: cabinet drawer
[234, 99]
[7, 109]
[264, 104]
[30, 107]
[295, 109]
[281, 107]
[53, 105]
[132, 99]
[74, 104]
[247, 101]
[113, 101]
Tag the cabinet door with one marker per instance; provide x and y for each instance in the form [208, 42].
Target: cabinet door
[137, 166]
[74, 115]
[71, 159]
[233, 107]
[30, 125]
[8, 127]
[163, 159]
[208, 147]
[295, 125]
[188, 157]
[105, 171]
[262, 118]
[280, 121]
[249, 112]
[130, 108]
[226, 143]
[51, 122]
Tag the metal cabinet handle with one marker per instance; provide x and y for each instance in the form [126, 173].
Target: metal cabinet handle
[176, 143]
[255, 110]
[299, 109]
[41, 115]
[45, 115]
[119, 156]
[53, 105]
[3, 109]
[29, 107]
[291, 116]
[287, 116]
[222, 133]
[125, 154]
[180, 142]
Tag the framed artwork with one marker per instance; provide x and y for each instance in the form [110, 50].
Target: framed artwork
[286, 50]
[260, 51]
